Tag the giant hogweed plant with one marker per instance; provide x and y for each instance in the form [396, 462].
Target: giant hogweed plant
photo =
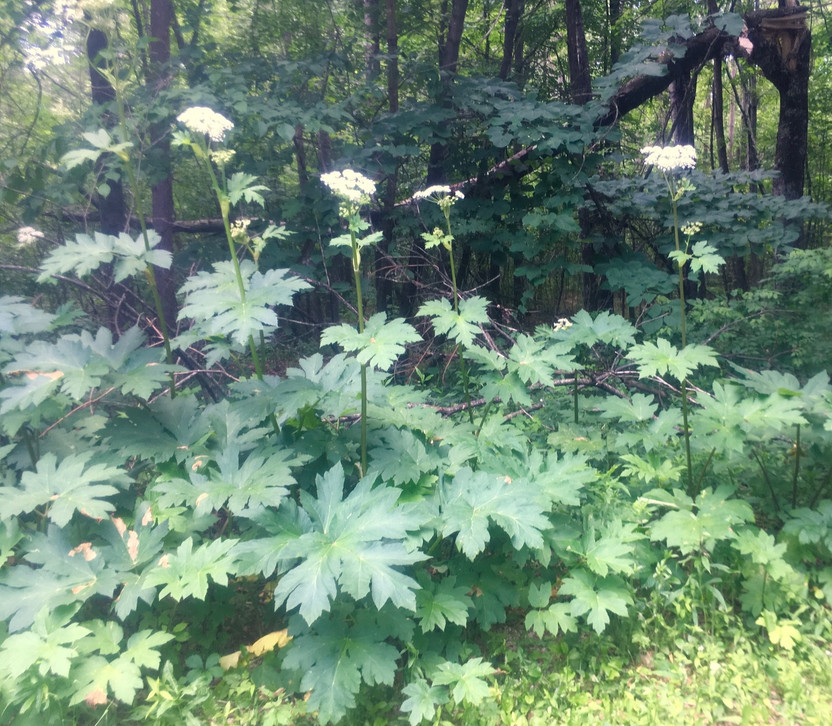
[384, 556]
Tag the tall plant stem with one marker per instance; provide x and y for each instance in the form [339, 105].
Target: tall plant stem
[683, 324]
[359, 303]
[225, 211]
[150, 274]
[796, 466]
[463, 369]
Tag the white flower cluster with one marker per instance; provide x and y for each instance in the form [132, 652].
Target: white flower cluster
[203, 120]
[670, 158]
[28, 235]
[436, 190]
[562, 324]
[349, 185]
[692, 228]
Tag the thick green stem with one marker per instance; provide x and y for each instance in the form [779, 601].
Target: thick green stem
[796, 466]
[683, 325]
[225, 211]
[463, 369]
[356, 270]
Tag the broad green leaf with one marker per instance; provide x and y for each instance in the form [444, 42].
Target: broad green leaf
[640, 408]
[422, 700]
[213, 300]
[596, 596]
[473, 500]
[553, 619]
[540, 594]
[465, 680]
[87, 253]
[657, 359]
[535, 361]
[18, 317]
[441, 602]
[336, 657]
[242, 186]
[355, 543]
[461, 328]
[691, 525]
[185, 573]
[381, 343]
[705, 258]
[61, 489]
[606, 328]
[48, 644]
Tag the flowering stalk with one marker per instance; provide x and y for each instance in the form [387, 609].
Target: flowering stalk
[445, 200]
[203, 122]
[670, 159]
[353, 190]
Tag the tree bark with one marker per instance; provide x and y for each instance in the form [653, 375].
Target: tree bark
[112, 208]
[162, 209]
[511, 36]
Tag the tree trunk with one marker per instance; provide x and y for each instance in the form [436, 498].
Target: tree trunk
[682, 94]
[383, 286]
[372, 41]
[161, 21]
[112, 208]
[449, 44]
[511, 36]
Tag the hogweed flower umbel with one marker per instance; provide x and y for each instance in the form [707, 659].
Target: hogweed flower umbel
[203, 120]
[670, 158]
[27, 236]
[350, 186]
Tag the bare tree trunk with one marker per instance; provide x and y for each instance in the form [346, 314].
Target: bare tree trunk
[449, 44]
[580, 89]
[372, 41]
[682, 94]
[383, 286]
[511, 36]
[112, 208]
[161, 22]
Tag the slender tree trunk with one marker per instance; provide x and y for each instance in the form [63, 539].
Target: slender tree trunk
[580, 90]
[682, 95]
[112, 208]
[718, 117]
[449, 44]
[372, 41]
[511, 37]
[161, 22]
[383, 286]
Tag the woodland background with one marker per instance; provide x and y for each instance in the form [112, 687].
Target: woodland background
[462, 457]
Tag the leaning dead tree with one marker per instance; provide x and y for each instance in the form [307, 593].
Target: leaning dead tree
[778, 42]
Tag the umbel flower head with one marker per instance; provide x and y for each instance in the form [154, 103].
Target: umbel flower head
[670, 158]
[27, 236]
[438, 190]
[203, 120]
[349, 186]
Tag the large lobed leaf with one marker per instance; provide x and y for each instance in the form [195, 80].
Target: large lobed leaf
[355, 543]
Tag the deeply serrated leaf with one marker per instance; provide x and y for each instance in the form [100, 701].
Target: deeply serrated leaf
[381, 343]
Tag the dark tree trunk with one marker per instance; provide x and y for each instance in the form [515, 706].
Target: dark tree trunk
[383, 285]
[512, 44]
[449, 44]
[718, 118]
[682, 94]
[372, 41]
[782, 49]
[580, 89]
[112, 208]
[161, 21]
[580, 81]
